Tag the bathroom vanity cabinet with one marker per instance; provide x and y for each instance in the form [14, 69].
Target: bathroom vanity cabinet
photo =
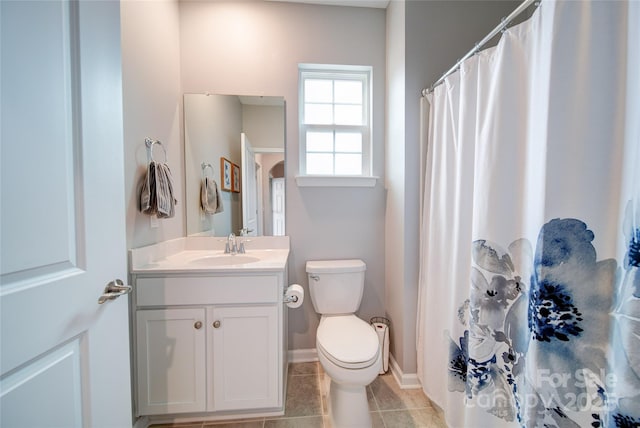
[209, 343]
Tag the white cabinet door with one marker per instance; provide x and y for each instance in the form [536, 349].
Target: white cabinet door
[171, 360]
[243, 350]
[64, 358]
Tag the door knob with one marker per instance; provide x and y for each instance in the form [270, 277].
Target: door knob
[113, 290]
[216, 324]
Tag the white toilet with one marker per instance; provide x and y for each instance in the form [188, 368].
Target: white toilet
[348, 347]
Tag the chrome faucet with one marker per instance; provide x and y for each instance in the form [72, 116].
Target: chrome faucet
[231, 247]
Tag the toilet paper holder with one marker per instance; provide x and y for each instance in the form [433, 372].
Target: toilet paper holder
[289, 299]
[293, 296]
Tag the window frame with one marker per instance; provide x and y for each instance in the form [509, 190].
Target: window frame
[336, 72]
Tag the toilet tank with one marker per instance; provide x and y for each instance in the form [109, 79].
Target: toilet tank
[336, 286]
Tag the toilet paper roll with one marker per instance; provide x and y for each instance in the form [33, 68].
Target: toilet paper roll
[294, 296]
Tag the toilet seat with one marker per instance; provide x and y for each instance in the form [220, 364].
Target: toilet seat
[347, 341]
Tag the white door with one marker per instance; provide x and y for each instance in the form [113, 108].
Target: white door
[259, 202]
[249, 187]
[64, 358]
[277, 203]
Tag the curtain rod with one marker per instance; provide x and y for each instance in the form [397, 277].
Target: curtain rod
[503, 24]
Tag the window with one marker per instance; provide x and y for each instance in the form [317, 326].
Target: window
[335, 120]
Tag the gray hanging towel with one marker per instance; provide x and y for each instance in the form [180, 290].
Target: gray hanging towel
[148, 203]
[210, 200]
[164, 191]
[156, 194]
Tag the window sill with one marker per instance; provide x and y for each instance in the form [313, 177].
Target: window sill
[335, 181]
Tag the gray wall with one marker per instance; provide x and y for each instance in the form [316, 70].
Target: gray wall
[264, 124]
[395, 226]
[253, 48]
[212, 127]
[152, 100]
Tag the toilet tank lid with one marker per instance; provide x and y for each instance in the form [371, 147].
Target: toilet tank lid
[336, 266]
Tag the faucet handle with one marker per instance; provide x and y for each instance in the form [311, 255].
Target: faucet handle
[227, 250]
[241, 249]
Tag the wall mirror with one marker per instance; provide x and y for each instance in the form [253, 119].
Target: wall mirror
[244, 138]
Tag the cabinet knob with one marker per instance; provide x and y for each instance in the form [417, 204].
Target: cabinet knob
[198, 325]
[216, 324]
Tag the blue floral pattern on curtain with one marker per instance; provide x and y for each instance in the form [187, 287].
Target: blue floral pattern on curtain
[552, 337]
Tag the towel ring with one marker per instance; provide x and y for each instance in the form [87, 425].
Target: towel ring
[150, 143]
[204, 166]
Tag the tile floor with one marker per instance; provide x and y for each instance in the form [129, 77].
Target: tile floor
[306, 405]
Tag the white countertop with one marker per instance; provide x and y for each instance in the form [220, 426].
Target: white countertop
[206, 255]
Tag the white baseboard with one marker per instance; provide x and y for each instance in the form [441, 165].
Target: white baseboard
[405, 380]
[302, 355]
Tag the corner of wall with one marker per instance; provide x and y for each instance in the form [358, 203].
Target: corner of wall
[395, 176]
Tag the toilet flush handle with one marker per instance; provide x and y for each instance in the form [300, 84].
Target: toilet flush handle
[314, 277]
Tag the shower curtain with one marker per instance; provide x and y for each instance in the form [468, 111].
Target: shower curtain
[529, 306]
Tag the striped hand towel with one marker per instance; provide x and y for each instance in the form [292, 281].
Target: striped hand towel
[164, 191]
[156, 194]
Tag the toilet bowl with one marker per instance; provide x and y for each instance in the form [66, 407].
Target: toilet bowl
[350, 366]
[348, 347]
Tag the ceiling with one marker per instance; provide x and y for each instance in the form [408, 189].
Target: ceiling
[380, 4]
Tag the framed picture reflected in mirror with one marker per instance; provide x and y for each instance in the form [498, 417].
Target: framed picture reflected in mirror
[235, 178]
[226, 174]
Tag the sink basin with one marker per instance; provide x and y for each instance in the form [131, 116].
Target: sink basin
[224, 260]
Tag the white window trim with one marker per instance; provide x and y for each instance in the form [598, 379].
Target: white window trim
[336, 181]
[366, 179]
